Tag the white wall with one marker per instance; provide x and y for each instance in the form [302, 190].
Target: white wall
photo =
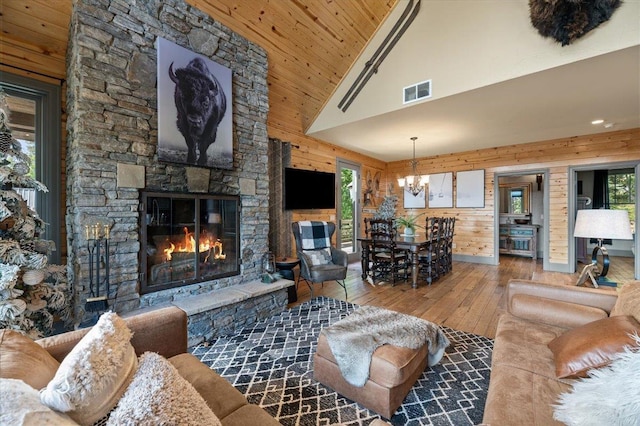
[454, 44]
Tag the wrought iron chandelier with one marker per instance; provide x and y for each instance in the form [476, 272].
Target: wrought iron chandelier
[414, 183]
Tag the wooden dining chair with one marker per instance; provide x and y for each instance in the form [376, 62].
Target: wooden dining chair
[387, 261]
[376, 226]
[429, 258]
[447, 244]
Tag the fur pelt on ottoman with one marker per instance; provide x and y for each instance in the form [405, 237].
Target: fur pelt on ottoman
[354, 339]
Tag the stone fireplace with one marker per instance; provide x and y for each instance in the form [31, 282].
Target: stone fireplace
[112, 121]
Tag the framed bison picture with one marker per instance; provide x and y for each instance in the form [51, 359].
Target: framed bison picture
[195, 125]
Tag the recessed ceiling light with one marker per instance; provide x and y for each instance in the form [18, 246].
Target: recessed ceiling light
[599, 121]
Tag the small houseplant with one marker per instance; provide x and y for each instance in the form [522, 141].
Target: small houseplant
[409, 222]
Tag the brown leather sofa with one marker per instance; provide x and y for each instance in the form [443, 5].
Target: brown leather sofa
[523, 385]
[165, 331]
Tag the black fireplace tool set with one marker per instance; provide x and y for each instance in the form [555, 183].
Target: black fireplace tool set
[98, 247]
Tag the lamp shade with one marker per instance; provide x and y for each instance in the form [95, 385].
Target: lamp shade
[603, 223]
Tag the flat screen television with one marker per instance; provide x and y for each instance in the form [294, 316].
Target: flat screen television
[309, 189]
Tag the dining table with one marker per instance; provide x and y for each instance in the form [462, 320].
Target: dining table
[413, 244]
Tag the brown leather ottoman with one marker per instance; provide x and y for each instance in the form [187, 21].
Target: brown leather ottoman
[393, 372]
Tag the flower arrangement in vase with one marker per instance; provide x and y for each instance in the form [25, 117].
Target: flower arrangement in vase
[410, 223]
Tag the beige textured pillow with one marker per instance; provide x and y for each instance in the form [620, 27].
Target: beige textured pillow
[318, 256]
[22, 358]
[592, 345]
[159, 395]
[628, 302]
[20, 405]
[94, 375]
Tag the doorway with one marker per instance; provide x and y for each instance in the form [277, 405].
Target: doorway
[608, 186]
[521, 215]
[347, 208]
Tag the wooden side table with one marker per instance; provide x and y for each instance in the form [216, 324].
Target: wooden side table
[285, 266]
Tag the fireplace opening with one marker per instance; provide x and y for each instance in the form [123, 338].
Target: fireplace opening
[187, 238]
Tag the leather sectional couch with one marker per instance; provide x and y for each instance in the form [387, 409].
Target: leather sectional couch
[165, 331]
[524, 385]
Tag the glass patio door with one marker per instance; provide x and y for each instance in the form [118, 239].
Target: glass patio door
[347, 208]
[34, 119]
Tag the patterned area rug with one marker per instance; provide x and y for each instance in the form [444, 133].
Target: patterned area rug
[271, 362]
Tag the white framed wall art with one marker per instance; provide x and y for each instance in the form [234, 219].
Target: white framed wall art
[470, 188]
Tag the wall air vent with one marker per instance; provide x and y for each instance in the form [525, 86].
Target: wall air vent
[417, 91]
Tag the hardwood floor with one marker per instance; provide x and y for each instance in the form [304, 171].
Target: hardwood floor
[470, 298]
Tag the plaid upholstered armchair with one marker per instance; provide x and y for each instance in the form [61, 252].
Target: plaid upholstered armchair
[319, 261]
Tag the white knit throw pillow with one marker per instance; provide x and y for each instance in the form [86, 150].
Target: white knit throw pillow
[609, 396]
[94, 375]
[159, 395]
[20, 405]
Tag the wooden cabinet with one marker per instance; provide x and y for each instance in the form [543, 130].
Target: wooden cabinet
[519, 240]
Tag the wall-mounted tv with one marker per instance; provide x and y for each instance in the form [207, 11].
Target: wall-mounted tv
[309, 189]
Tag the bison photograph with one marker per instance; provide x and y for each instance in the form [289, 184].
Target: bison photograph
[194, 111]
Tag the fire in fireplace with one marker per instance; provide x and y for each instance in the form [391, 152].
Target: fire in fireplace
[187, 238]
[208, 245]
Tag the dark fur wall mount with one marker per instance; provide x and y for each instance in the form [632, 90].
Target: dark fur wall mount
[568, 20]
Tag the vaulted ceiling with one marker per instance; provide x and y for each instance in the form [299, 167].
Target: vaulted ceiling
[310, 45]
[314, 45]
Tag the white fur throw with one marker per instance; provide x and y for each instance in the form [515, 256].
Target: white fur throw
[159, 395]
[20, 405]
[354, 339]
[93, 376]
[609, 396]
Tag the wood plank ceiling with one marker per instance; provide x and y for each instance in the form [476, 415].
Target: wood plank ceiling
[34, 36]
[310, 45]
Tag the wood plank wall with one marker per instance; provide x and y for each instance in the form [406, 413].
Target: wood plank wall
[474, 232]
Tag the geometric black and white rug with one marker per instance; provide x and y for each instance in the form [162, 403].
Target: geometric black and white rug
[271, 363]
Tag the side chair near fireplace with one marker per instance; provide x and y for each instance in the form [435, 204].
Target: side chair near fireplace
[319, 261]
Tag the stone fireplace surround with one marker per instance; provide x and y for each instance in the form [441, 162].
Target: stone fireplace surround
[112, 120]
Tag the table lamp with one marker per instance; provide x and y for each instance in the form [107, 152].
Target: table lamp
[603, 224]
